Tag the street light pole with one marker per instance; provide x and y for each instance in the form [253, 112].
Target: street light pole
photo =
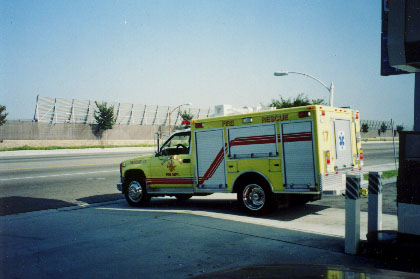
[170, 113]
[330, 88]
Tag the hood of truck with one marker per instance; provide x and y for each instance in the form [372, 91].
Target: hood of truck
[138, 160]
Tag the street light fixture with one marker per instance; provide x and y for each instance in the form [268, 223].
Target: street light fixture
[170, 113]
[330, 89]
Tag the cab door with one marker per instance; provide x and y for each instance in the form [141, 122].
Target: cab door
[171, 170]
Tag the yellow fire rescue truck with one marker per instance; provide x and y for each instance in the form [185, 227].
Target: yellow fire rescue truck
[294, 154]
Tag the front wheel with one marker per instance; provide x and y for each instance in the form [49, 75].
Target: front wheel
[136, 194]
[256, 199]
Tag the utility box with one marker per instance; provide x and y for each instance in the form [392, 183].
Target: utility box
[408, 183]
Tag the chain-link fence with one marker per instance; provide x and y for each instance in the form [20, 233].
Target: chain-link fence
[57, 110]
[377, 124]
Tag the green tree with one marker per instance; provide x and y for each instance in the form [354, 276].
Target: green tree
[104, 116]
[185, 115]
[364, 128]
[300, 100]
[3, 115]
[383, 127]
[400, 128]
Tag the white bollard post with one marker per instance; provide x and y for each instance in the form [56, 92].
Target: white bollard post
[352, 233]
[375, 202]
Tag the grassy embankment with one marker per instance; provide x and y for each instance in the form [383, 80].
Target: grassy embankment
[27, 147]
[385, 174]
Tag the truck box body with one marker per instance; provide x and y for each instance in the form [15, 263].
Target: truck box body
[303, 150]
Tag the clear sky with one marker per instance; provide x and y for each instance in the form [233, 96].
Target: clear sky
[204, 52]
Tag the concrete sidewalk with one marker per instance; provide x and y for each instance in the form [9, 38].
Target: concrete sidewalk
[172, 239]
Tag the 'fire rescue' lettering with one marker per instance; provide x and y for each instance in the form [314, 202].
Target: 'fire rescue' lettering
[228, 123]
[274, 118]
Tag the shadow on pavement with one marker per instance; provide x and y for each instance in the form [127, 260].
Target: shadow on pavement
[230, 206]
[15, 205]
[101, 198]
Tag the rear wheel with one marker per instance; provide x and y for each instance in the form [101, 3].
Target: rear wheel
[136, 194]
[256, 198]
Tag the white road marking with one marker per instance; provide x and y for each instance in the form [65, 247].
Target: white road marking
[56, 175]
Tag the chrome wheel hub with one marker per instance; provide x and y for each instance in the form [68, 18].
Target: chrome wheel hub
[254, 197]
[135, 191]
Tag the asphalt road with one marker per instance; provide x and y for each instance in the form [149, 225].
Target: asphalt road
[379, 153]
[45, 182]
[30, 183]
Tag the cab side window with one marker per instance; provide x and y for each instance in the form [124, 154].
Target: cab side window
[178, 144]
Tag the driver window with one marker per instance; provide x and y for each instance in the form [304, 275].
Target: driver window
[178, 144]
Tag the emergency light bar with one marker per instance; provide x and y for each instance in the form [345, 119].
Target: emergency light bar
[303, 114]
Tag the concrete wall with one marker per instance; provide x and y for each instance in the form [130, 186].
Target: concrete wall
[19, 133]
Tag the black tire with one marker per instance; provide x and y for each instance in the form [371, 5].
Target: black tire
[183, 197]
[136, 194]
[256, 198]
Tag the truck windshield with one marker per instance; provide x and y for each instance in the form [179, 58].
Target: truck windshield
[178, 144]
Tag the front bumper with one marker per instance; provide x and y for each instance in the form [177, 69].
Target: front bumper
[119, 186]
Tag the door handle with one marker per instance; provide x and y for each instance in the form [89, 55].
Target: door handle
[186, 161]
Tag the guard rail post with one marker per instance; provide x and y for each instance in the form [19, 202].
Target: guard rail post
[375, 202]
[352, 232]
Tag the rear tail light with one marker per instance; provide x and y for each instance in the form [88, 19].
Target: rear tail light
[361, 157]
[199, 125]
[186, 122]
[303, 114]
[328, 160]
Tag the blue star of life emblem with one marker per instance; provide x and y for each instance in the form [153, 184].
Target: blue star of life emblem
[341, 139]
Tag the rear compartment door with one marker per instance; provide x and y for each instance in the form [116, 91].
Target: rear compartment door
[252, 141]
[298, 155]
[210, 158]
[343, 146]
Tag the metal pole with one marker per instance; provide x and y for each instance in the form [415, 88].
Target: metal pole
[375, 202]
[332, 94]
[36, 117]
[170, 113]
[352, 233]
[417, 102]
[118, 114]
[55, 111]
[144, 115]
[393, 142]
[87, 113]
[72, 111]
[131, 115]
[156, 113]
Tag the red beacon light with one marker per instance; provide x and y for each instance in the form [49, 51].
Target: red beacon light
[303, 114]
